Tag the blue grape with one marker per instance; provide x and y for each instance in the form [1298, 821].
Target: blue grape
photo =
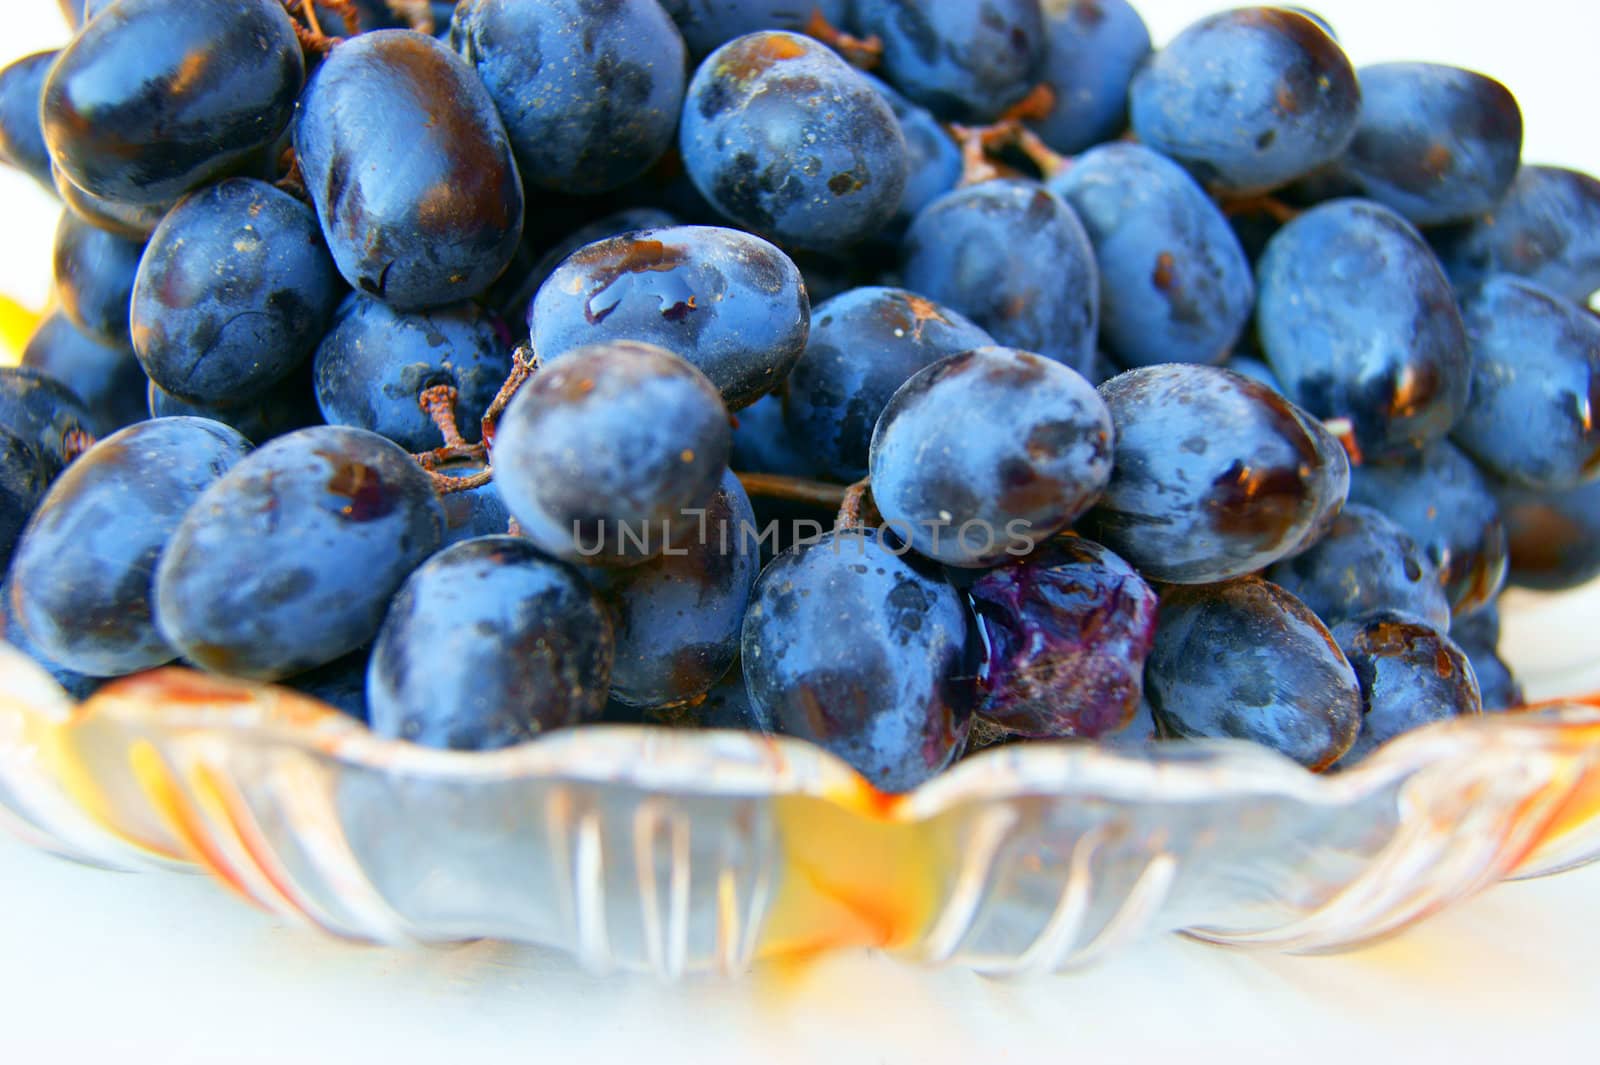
[81, 579]
[783, 137]
[21, 136]
[25, 474]
[1535, 384]
[847, 646]
[589, 93]
[487, 645]
[1411, 675]
[726, 706]
[376, 361]
[677, 617]
[43, 413]
[410, 170]
[1189, 503]
[515, 299]
[985, 454]
[235, 289]
[475, 512]
[1175, 285]
[1014, 258]
[76, 685]
[1440, 498]
[1359, 322]
[1256, 370]
[1092, 49]
[964, 62]
[1248, 99]
[1478, 635]
[106, 377]
[1554, 536]
[342, 683]
[1436, 143]
[1546, 229]
[762, 442]
[284, 407]
[707, 24]
[1365, 563]
[129, 221]
[1247, 660]
[864, 344]
[729, 303]
[602, 451]
[94, 273]
[1066, 632]
[289, 560]
[156, 97]
[933, 160]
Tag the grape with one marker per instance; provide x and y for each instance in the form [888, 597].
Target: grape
[589, 93]
[43, 413]
[864, 345]
[410, 170]
[289, 560]
[475, 512]
[706, 24]
[129, 221]
[1478, 636]
[76, 685]
[156, 97]
[964, 62]
[234, 292]
[1366, 563]
[677, 616]
[21, 136]
[25, 473]
[1092, 49]
[1256, 370]
[1175, 285]
[516, 299]
[782, 136]
[1247, 660]
[1546, 229]
[726, 706]
[1248, 99]
[94, 273]
[728, 302]
[488, 645]
[108, 378]
[1189, 504]
[933, 161]
[987, 453]
[1535, 386]
[1066, 632]
[376, 361]
[1013, 257]
[341, 684]
[373, 15]
[1436, 144]
[600, 454]
[1138, 734]
[847, 646]
[81, 579]
[282, 408]
[1554, 536]
[1359, 322]
[762, 443]
[1440, 498]
[1411, 675]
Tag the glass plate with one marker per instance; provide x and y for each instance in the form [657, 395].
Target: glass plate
[686, 852]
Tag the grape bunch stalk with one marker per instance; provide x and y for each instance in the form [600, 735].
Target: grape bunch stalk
[904, 376]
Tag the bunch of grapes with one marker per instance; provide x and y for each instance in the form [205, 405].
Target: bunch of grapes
[907, 376]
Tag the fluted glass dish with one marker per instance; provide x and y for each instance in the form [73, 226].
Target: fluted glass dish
[683, 852]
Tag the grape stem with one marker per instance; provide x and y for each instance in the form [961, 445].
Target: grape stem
[418, 14]
[792, 489]
[447, 486]
[75, 442]
[525, 363]
[979, 143]
[854, 503]
[309, 32]
[439, 404]
[863, 53]
[293, 181]
[1271, 206]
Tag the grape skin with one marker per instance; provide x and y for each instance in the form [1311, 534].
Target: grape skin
[1546, 229]
[1411, 675]
[107, 378]
[94, 272]
[81, 578]
[21, 136]
[348, 507]
[1092, 49]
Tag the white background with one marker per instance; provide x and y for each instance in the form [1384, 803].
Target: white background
[163, 968]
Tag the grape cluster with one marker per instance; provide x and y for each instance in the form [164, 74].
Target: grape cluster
[906, 376]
